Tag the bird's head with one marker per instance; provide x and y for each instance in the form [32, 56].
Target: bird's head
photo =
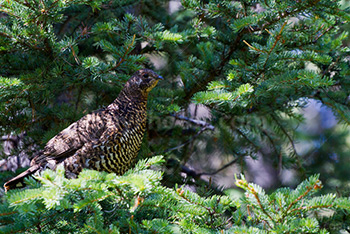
[143, 81]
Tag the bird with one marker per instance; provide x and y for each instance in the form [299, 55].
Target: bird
[108, 139]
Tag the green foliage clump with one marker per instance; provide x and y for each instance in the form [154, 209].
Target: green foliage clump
[61, 59]
[137, 202]
[287, 210]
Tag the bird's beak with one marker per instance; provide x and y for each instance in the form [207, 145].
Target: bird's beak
[160, 78]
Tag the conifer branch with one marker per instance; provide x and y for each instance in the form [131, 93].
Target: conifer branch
[211, 211]
[188, 171]
[194, 121]
[25, 3]
[308, 190]
[277, 38]
[257, 147]
[227, 45]
[8, 12]
[270, 140]
[220, 169]
[8, 213]
[244, 184]
[202, 83]
[323, 33]
[188, 141]
[122, 59]
[311, 207]
[252, 47]
[286, 14]
[291, 141]
[2, 34]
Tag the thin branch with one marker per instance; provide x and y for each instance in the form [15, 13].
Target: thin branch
[321, 34]
[2, 34]
[330, 67]
[311, 207]
[190, 172]
[252, 47]
[239, 131]
[271, 141]
[32, 108]
[122, 59]
[13, 139]
[78, 98]
[256, 195]
[214, 73]
[285, 14]
[76, 58]
[201, 123]
[285, 133]
[278, 37]
[194, 121]
[188, 141]
[309, 189]
[220, 169]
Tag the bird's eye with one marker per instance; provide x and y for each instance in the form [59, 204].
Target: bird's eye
[145, 75]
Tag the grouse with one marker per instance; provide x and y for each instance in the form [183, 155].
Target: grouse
[105, 140]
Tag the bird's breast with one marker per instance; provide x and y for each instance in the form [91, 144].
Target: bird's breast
[117, 154]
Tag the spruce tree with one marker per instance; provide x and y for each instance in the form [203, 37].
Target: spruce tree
[251, 64]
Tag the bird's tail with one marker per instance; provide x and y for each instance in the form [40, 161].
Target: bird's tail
[18, 181]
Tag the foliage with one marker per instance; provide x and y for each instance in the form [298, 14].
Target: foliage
[251, 64]
[97, 202]
[289, 211]
[78, 64]
[255, 66]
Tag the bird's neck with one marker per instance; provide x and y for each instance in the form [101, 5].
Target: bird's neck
[135, 95]
[126, 100]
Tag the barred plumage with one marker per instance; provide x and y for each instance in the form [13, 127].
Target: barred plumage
[105, 140]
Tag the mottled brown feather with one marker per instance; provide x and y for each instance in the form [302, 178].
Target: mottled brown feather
[105, 140]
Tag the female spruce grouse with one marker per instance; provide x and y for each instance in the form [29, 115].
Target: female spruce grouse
[105, 140]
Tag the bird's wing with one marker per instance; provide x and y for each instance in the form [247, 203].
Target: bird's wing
[113, 130]
[68, 141]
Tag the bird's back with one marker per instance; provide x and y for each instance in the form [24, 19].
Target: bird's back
[106, 140]
[72, 139]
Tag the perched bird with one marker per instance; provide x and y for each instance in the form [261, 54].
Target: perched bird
[105, 140]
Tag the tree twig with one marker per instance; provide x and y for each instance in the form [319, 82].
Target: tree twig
[196, 175]
[201, 123]
[220, 169]
[9, 138]
[285, 133]
[188, 141]
[323, 33]
[194, 121]
[122, 59]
